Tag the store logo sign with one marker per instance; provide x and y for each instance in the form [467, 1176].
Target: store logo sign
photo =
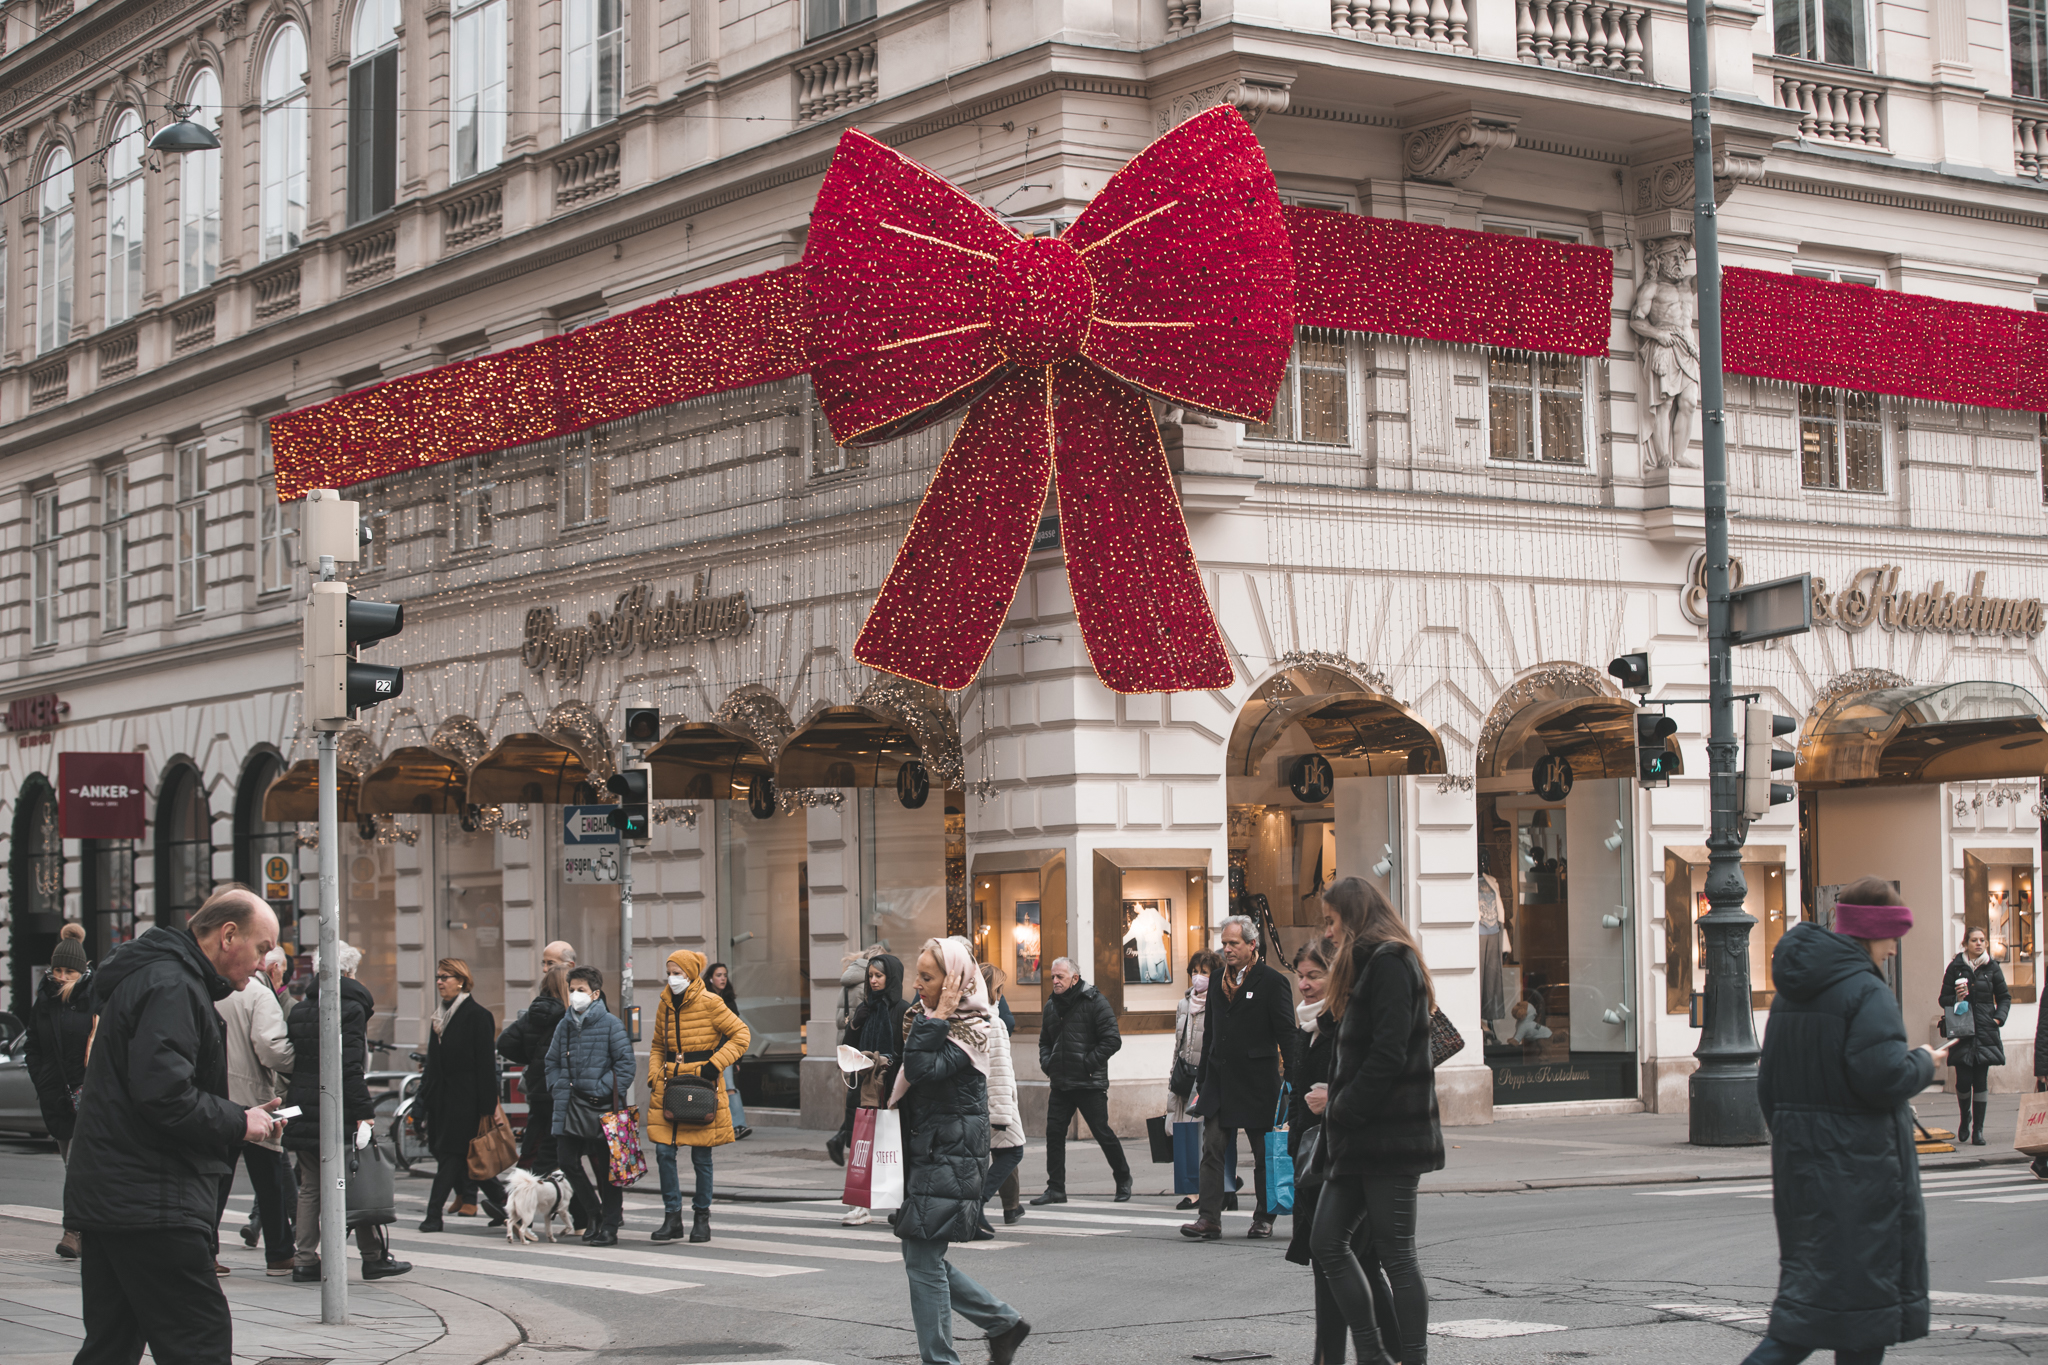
[637, 622]
[99, 796]
[1873, 596]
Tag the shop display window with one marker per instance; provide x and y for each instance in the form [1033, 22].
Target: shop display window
[903, 873]
[369, 922]
[1685, 904]
[1008, 925]
[472, 910]
[764, 922]
[1147, 904]
[1998, 897]
[1282, 855]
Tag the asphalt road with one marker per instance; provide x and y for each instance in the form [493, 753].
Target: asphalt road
[1636, 1274]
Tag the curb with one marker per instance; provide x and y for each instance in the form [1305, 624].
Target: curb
[472, 1331]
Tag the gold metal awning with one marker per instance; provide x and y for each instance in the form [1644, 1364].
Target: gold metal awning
[1361, 733]
[294, 794]
[416, 781]
[1939, 732]
[530, 769]
[1596, 734]
[846, 746]
[706, 761]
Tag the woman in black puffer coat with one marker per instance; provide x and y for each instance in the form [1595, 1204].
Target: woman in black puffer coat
[59, 1027]
[1975, 976]
[1380, 1128]
[941, 1090]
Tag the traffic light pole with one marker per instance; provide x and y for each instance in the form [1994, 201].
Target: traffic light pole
[1724, 1107]
[333, 1178]
[626, 934]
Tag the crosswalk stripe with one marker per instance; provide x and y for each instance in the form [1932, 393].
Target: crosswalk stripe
[1953, 1299]
[697, 1263]
[548, 1274]
[2033, 1279]
[32, 1213]
[1696, 1191]
[1055, 1213]
[2010, 1199]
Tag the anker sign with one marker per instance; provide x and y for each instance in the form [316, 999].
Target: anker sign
[99, 796]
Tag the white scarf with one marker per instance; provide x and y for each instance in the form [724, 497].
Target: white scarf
[443, 1014]
[1309, 1015]
[1976, 963]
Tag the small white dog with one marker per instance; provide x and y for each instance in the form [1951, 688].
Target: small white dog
[535, 1201]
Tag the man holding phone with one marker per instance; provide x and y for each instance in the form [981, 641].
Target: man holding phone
[155, 1125]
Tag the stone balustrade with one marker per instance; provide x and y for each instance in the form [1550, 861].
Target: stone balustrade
[1596, 36]
[192, 327]
[277, 294]
[49, 383]
[1442, 24]
[840, 81]
[586, 174]
[2029, 142]
[1830, 109]
[119, 353]
[472, 219]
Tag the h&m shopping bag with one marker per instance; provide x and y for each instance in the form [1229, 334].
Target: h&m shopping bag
[1279, 1165]
[874, 1162]
[2031, 1136]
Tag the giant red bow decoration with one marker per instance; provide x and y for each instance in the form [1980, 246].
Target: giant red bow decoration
[1177, 281]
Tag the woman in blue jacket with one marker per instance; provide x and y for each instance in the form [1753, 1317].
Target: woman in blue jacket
[590, 1071]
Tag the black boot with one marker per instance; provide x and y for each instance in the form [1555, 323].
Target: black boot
[1977, 1114]
[1963, 1123]
[700, 1226]
[1367, 1347]
[1123, 1188]
[670, 1229]
[835, 1147]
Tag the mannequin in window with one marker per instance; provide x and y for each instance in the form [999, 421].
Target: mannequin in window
[1145, 937]
[1492, 947]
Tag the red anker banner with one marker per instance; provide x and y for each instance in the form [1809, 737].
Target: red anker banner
[99, 796]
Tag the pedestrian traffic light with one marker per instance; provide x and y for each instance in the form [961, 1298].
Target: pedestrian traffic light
[1761, 758]
[629, 817]
[337, 625]
[1656, 756]
[643, 725]
[1632, 671]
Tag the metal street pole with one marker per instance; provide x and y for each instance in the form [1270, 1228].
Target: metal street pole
[333, 1177]
[1724, 1107]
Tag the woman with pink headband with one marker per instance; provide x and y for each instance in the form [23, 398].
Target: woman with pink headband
[1836, 1082]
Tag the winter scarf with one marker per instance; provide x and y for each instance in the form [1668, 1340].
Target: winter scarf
[443, 1014]
[963, 1004]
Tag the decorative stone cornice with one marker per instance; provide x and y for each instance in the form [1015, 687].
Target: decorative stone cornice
[1668, 184]
[1450, 150]
[1253, 99]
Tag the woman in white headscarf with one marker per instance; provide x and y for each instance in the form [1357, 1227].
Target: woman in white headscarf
[941, 1089]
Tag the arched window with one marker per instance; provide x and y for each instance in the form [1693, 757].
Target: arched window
[284, 142]
[479, 87]
[126, 219]
[184, 846]
[56, 246]
[593, 64]
[373, 110]
[35, 875]
[258, 841]
[199, 193]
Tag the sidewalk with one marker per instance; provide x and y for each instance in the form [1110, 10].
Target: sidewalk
[1511, 1154]
[391, 1322]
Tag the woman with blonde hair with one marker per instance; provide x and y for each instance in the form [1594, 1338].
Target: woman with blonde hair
[941, 1089]
[1380, 1125]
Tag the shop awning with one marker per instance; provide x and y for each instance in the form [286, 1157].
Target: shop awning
[1941, 732]
[530, 769]
[1597, 735]
[416, 781]
[846, 746]
[706, 761]
[1361, 733]
[294, 795]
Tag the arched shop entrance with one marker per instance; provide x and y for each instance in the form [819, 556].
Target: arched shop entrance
[184, 844]
[1314, 766]
[1875, 759]
[762, 917]
[1556, 810]
[35, 883]
[265, 847]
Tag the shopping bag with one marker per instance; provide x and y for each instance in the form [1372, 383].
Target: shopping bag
[2031, 1136]
[1162, 1140]
[885, 1179]
[1187, 1158]
[493, 1149]
[860, 1159]
[1957, 1021]
[622, 1137]
[371, 1174]
[1279, 1164]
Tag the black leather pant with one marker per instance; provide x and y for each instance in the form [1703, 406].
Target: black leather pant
[1376, 1211]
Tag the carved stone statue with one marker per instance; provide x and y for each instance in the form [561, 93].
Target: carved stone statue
[1668, 356]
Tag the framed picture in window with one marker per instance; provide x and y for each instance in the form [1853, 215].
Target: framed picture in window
[1026, 932]
[1148, 942]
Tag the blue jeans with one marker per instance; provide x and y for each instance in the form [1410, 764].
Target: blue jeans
[1775, 1352]
[672, 1186]
[732, 1098]
[937, 1291]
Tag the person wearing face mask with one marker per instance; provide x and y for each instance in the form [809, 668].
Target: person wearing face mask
[1188, 1025]
[695, 1033]
[590, 1072]
[876, 1025]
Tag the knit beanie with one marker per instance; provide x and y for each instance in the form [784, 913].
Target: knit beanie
[69, 954]
[1868, 908]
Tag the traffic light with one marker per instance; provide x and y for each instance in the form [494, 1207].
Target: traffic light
[629, 817]
[643, 725]
[337, 625]
[1761, 758]
[1632, 671]
[1656, 758]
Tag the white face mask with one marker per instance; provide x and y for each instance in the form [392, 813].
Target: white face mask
[1200, 981]
[678, 983]
[579, 1001]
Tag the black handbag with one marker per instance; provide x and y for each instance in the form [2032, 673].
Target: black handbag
[1308, 1159]
[1182, 1080]
[371, 1196]
[687, 1099]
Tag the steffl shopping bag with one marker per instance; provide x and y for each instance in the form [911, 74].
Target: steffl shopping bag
[885, 1185]
[860, 1157]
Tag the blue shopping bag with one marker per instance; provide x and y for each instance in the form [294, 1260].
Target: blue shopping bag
[1279, 1165]
[1187, 1158]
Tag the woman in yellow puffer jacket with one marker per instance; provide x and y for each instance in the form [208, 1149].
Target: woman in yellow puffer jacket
[694, 1034]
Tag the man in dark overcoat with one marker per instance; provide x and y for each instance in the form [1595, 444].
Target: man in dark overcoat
[1247, 1039]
